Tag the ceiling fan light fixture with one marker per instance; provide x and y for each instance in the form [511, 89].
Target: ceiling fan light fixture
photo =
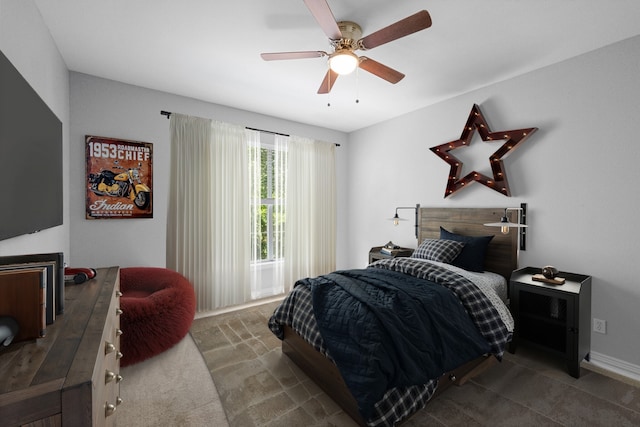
[343, 61]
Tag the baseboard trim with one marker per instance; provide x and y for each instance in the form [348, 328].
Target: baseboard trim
[614, 368]
[230, 309]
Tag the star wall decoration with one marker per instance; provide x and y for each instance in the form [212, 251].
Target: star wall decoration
[498, 182]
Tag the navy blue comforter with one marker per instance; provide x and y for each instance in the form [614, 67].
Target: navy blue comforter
[421, 330]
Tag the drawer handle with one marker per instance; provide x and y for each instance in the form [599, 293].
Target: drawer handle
[109, 348]
[118, 312]
[452, 377]
[119, 355]
[119, 378]
[118, 293]
[109, 376]
[118, 332]
[109, 409]
[118, 401]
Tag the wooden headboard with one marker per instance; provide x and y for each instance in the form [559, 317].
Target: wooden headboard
[502, 254]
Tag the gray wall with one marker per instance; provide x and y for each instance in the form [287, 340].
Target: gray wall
[579, 175]
[111, 109]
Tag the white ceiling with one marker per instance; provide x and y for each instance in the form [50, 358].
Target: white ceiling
[210, 49]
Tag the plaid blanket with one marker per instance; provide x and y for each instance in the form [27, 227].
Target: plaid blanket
[398, 403]
[485, 316]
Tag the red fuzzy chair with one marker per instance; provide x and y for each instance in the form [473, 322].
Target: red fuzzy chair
[158, 306]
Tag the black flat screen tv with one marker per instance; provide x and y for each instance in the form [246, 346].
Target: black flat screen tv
[30, 158]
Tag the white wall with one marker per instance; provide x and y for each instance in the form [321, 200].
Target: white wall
[579, 175]
[27, 43]
[110, 109]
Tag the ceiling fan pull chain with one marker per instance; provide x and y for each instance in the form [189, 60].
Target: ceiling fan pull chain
[328, 85]
[357, 85]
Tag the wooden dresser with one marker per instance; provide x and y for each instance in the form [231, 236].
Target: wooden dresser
[71, 376]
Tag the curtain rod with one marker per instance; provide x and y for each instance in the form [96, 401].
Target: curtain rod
[168, 114]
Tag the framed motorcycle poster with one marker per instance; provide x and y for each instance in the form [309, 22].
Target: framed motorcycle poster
[119, 178]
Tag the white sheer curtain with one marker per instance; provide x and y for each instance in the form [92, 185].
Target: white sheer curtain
[189, 218]
[208, 218]
[310, 236]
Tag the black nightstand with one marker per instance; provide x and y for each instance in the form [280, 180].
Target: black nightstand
[375, 254]
[556, 318]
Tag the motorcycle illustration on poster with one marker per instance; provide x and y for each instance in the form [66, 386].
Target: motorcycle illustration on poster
[119, 178]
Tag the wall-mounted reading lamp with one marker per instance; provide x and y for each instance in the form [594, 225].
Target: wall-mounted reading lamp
[396, 219]
[521, 225]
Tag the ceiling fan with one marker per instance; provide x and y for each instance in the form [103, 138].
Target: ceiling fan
[346, 37]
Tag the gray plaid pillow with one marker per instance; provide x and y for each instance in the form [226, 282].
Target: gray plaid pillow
[440, 250]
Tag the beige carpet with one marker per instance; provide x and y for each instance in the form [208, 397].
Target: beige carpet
[259, 386]
[171, 389]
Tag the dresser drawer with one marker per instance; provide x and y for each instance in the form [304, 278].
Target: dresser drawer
[107, 376]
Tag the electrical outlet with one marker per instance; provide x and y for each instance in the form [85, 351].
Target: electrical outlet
[599, 326]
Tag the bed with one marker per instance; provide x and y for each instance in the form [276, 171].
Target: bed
[463, 356]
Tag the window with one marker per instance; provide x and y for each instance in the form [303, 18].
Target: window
[267, 174]
[267, 207]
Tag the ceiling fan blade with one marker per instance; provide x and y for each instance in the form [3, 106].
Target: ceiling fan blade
[276, 56]
[321, 11]
[404, 27]
[380, 70]
[327, 83]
